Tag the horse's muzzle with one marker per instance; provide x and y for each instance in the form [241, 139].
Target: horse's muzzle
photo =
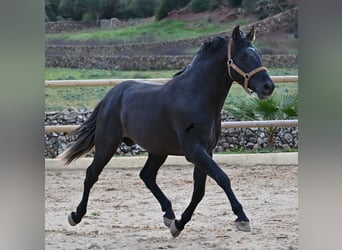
[265, 90]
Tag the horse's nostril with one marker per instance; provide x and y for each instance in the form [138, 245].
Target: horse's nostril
[268, 86]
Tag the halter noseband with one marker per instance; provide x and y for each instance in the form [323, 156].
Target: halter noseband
[246, 76]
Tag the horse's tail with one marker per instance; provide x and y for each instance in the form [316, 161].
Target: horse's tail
[85, 137]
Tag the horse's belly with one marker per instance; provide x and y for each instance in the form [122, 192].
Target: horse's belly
[146, 120]
[157, 141]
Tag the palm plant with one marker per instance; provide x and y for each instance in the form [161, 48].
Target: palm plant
[277, 107]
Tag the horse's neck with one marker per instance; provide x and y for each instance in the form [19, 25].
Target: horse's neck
[214, 85]
[208, 85]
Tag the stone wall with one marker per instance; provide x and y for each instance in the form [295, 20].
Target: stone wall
[230, 140]
[67, 26]
[119, 62]
[115, 23]
[157, 62]
[129, 49]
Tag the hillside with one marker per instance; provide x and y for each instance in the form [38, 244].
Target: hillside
[282, 41]
[171, 43]
[185, 25]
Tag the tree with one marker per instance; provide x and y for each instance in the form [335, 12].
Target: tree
[80, 7]
[138, 8]
[66, 9]
[88, 9]
[52, 10]
[200, 5]
[91, 9]
[167, 5]
[249, 5]
[234, 3]
[112, 9]
[96, 8]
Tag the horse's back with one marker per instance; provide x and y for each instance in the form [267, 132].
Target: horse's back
[126, 92]
[110, 104]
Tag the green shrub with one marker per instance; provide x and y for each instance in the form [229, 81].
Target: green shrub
[164, 8]
[276, 107]
[199, 5]
[249, 5]
[137, 9]
[87, 16]
[234, 3]
[215, 4]
[50, 12]
[167, 5]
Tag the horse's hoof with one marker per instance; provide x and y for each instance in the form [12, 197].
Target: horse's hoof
[243, 226]
[71, 220]
[174, 231]
[167, 222]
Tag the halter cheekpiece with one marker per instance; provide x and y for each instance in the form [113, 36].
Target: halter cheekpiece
[246, 76]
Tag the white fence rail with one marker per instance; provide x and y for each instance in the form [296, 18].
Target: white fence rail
[114, 82]
[236, 124]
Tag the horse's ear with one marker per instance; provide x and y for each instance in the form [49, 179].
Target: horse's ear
[237, 33]
[251, 34]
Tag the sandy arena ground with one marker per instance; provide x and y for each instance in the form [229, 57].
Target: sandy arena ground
[123, 214]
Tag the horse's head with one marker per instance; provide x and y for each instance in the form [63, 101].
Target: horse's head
[245, 64]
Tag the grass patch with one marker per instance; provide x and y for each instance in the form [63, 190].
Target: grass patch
[165, 30]
[95, 213]
[58, 99]
[82, 74]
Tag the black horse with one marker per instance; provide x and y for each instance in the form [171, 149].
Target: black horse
[181, 117]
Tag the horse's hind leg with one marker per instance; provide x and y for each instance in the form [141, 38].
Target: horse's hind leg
[148, 175]
[105, 146]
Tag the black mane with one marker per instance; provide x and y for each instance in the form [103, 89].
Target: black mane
[211, 46]
[207, 48]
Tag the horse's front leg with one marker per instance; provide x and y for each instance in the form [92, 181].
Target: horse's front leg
[197, 195]
[203, 161]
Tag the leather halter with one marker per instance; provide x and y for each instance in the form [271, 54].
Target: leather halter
[246, 76]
